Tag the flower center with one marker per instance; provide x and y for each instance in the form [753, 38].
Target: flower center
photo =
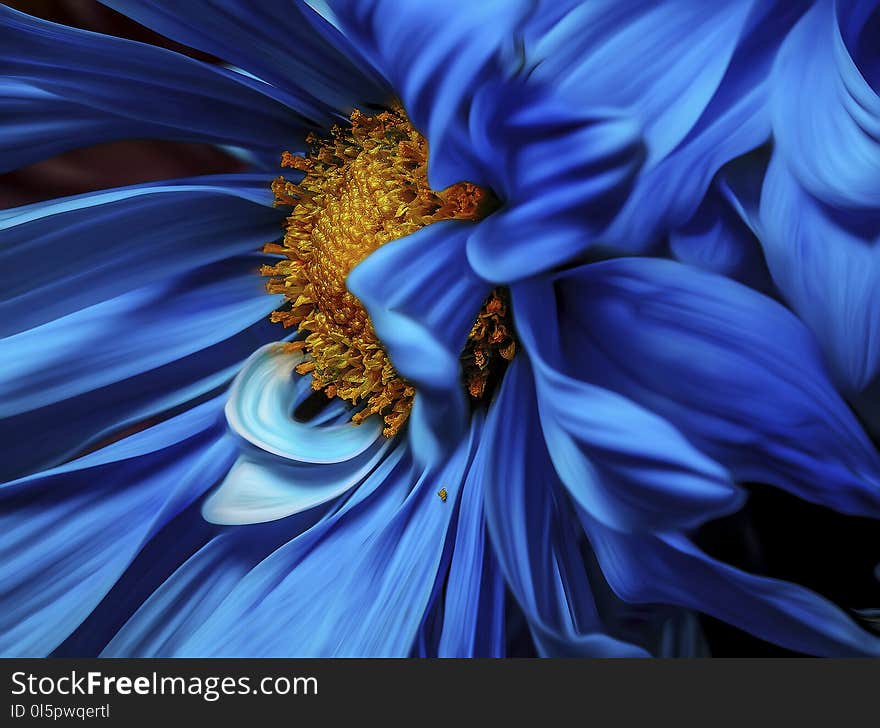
[363, 187]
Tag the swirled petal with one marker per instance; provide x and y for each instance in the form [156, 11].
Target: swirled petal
[260, 410]
[256, 491]
[358, 583]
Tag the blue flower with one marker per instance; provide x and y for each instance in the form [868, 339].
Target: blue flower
[656, 370]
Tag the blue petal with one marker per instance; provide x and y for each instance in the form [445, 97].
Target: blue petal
[718, 239]
[260, 406]
[694, 78]
[284, 42]
[294, 465]
[423, 299]
[531, 537]
[69, 533]
[184, 601]
[61, 256]
[734, 371]
[474, 603]
[60, 415]
[125, 336]
[257, 490]
[826, 115]
[820, 206]
[625, 465]
[567, 172]
[65, 88]
[668, 568]
[437, 56]
[191, 594]
[827, 266]
[664, 61]
[358, 583]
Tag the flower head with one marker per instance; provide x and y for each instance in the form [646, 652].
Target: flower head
[532, 256]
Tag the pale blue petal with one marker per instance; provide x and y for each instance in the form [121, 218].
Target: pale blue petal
[256, 491]
[260, 410]
[356, 584]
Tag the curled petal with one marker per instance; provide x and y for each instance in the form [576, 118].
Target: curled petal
[260, 409]
[820, 205]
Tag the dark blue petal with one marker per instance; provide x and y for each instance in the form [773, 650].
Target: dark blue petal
[437, 56]
[61, 256]
[65, 88]
[423, 299]
[669, 568]
[566, 172]
[70, 532]
[533, 542]
[358, 583]
[283, 42]
[820, 206]
[734, 371]
[717, 239]
[624, 464]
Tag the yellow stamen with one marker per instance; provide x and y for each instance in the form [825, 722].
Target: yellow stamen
[366, 186]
